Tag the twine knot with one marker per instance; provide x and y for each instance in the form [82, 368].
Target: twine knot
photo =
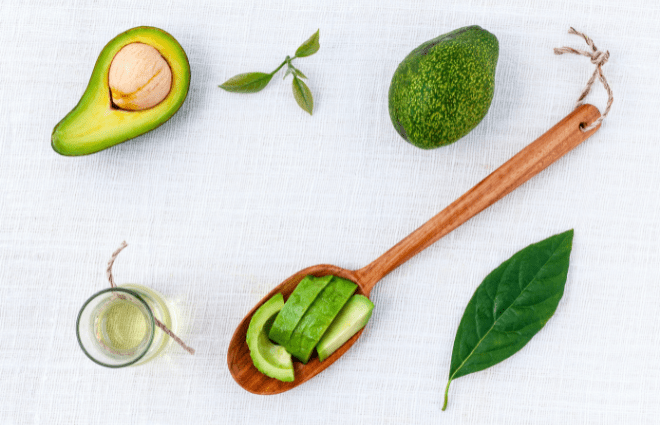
[598, 58]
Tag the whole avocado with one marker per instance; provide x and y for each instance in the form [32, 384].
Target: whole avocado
[443, 88]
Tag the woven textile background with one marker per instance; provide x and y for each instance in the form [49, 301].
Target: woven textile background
[237, 192]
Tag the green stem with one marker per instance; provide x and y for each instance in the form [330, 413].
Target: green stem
[287, 60]
[444, 406]
[279, 67]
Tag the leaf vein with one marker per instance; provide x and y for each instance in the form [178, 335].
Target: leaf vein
[514, 301]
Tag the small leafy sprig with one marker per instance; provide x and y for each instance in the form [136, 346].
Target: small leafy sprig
[253, 82]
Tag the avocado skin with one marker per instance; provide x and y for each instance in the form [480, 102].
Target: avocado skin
[318, 318]
[95, 123]
[444, 87]
[295, 307]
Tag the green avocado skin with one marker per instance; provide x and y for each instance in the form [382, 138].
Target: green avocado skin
[298, 303]
[318, 318]
[444, 87]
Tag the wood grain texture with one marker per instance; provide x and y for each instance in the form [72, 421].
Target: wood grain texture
[533, 159]
[527, 163]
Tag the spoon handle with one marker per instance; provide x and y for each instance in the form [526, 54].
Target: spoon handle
[533, 159]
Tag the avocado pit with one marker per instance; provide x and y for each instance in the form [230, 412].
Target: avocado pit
[139, 77]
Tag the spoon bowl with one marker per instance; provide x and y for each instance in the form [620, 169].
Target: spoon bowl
[240, 362]
[545, 150]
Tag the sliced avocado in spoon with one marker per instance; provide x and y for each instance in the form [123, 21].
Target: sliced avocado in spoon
[295, 307]
[318, 318]
[140, 79]
[270, 359]
[352, 317]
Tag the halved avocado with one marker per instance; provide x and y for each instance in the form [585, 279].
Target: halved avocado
[96, 123]
[270, 359]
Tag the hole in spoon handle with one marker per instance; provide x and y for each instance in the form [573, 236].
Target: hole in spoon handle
[533, 159]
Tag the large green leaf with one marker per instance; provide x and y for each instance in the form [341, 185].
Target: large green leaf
[510, 306]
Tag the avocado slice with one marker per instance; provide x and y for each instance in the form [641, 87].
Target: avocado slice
[295, 307]
[318, 318]
[106, 116]
[270, 359]
[353, 317]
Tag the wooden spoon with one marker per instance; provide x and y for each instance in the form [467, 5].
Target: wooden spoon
[551, 146]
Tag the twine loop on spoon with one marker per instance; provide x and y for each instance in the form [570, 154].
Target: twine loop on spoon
[158, 322]
[598, 58]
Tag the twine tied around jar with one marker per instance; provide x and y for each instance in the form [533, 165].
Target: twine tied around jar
[598, 58]
[158, 322]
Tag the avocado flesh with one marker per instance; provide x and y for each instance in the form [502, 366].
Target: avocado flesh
[96, 124]
[444, 87]
[270, 359]
[318, 318]
[295, 307]
[352, 317]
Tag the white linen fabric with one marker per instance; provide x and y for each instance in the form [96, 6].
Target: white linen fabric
[237, 192]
